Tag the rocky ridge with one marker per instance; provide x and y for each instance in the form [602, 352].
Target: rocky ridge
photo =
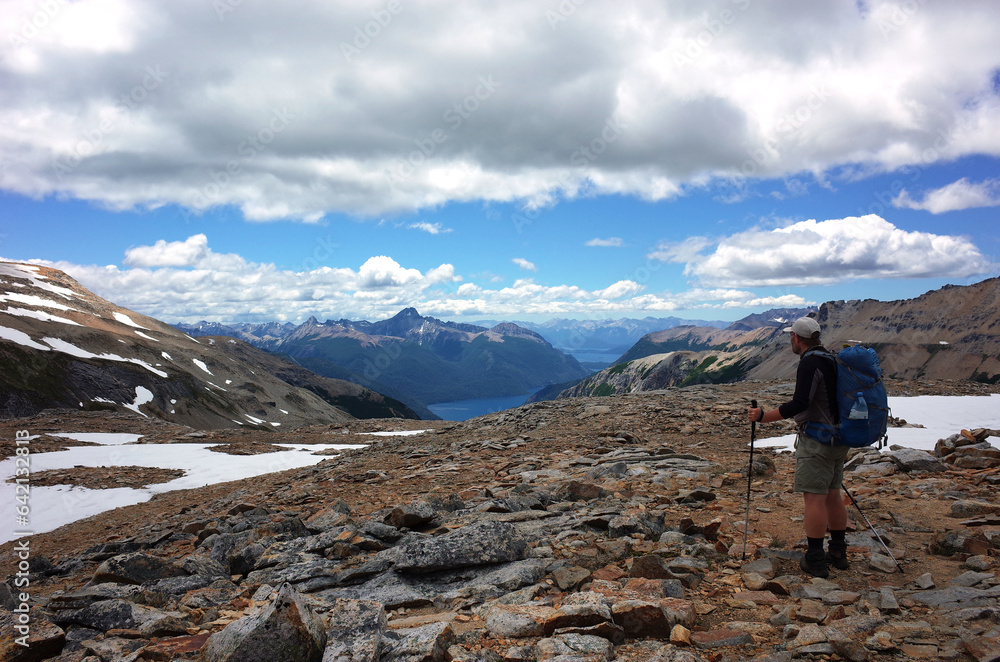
[585, 529]
[63, 346]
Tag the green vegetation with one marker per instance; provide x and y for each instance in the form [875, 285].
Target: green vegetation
[694, 377]
[605, 389]
[619, 368]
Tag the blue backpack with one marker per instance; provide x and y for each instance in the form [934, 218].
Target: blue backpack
[859, 385]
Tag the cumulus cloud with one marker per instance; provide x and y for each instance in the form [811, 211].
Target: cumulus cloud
[329, 108]
[822, 252]
[524, 264]
[610, 242]
[962, 194]
[185, 253]
[234, 289]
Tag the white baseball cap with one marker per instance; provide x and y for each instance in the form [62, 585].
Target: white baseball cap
[803, 327]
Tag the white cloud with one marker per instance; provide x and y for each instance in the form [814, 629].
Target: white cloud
[821, 252]
[686, 250]
[144, 104]
[524, 264]
[240, 290]
[962, 194]
[430, 228]
[610, 242]
[187, 253]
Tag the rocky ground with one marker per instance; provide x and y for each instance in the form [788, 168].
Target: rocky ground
[586, 529]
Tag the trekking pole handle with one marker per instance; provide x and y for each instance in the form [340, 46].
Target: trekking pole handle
[753, 424]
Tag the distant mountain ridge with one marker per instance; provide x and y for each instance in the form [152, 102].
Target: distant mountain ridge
[950, 333]
[419, 360]
[62, 346]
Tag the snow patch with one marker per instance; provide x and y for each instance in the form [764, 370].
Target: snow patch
[55, 506]
[143, 335]
[125, 319]
[201, 364]
[32, 300]
[942, 416]
[37, 280]
[142, 396]
[60, 345]
[102, 438]
[21, 338]
[40, 315]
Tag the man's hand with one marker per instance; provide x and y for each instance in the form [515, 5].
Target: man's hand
[755, 414]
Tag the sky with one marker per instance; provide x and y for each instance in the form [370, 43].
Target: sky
[242, 161]
[53, 506]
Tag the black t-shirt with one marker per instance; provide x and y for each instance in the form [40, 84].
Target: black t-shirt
[815, 397]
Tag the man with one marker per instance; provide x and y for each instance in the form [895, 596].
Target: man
[819, 467]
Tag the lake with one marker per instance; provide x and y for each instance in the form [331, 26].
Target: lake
[461, 410]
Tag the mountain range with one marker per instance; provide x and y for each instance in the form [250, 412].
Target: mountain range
[419, 360]
[950, 333]
[62, 346]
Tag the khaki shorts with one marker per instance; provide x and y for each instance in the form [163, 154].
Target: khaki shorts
[819, 468]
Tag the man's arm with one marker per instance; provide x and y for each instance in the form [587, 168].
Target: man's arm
[800, 398]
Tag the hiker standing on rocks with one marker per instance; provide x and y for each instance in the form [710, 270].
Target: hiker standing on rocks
[819, 467]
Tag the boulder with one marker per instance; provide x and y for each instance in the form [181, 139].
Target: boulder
[355, 632]
[911, 459]
[428, 643]
[136, 568]
[119, 614]
[410, 516]
[577, 647]
[481, 543]
[42, 639]
[286, 629]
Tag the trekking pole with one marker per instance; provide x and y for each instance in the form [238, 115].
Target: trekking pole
[884, 546]
[746, 520]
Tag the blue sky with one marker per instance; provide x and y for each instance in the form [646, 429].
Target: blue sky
[235, 161]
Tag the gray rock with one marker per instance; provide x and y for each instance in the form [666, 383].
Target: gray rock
[966, 508]
[957, 595]
[628, 525]
[671, 653]
[411, 515]
[970, 578]
[911, 459]
[476, 544]
[44, 638]
[121, 614]
[460, 654]
[286, 630]
[428, 643]
[356, 631]
[136, 568]
[390, 589]
[574, 647]
[199, 564]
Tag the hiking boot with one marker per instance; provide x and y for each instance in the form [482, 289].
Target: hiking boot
[814, 562]
[837, 556]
